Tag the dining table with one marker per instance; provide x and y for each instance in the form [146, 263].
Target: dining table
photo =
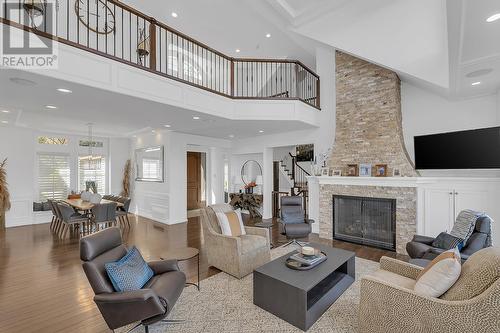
[82, 205]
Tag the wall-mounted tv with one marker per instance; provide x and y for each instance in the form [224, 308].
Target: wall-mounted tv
[473, 149]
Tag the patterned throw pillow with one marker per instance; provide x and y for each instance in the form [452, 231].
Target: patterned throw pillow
[446, 241]
[231, 223]
[130, 272]
[440, 274]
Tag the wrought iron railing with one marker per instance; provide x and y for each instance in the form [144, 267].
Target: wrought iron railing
[112, 29]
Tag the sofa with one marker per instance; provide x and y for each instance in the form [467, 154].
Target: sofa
[237, 256]
[421, 246]
[388, 303]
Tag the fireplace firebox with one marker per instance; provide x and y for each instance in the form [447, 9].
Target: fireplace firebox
[367, 221]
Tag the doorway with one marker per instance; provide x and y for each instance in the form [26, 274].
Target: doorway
[196, 183]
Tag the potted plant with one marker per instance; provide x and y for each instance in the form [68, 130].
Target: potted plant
[4, 193]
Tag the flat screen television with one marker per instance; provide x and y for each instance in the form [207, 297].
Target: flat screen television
[472, 149]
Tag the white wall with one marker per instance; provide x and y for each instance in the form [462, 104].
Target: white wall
[20, 146]
[167, 202]
[427, 113]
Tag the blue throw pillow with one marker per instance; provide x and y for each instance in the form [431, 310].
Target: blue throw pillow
[130, 272]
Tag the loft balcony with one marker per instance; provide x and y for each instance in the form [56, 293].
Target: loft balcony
[125, 35]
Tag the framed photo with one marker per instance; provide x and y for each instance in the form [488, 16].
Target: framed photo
[381, 170]
[396, 173]
[352, 170]
[365, 170]
[337, 173]
[325, 171]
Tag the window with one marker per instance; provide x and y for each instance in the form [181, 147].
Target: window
[98, 176]
[150, 168]
[47, 140]
[53, 176]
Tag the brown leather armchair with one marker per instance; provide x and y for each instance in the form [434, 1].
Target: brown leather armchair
[148, 305]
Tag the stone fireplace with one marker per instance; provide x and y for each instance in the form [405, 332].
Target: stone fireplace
[369, 131]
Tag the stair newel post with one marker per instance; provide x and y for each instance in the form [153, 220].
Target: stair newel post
[152, 44]
[293, 174]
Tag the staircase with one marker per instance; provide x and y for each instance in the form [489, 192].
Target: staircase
[296, 177]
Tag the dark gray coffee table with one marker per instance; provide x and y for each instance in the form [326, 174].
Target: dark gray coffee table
[301, 297]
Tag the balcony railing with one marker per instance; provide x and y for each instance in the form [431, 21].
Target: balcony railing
[112, 29]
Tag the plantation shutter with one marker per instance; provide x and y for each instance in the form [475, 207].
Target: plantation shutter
[53, 176]
[99, 176]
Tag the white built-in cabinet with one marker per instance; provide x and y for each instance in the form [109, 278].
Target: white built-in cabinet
[441, 200]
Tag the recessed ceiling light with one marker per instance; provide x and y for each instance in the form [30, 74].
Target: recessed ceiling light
[134, 136]
[50, 107]
[5, 111]
[493, 18]
[167, 126]
[261, 131]
[231, 136]
[153, 131]
[479, 72]
[5, 122]
[476, 83]
[64, 90]
[238, 50]
[174, 14]
[196, 118]
[22, 82]
[268, 35]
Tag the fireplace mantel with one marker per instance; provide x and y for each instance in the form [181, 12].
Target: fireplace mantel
[368, 181]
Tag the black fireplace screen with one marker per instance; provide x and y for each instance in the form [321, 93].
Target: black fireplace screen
[368, 221]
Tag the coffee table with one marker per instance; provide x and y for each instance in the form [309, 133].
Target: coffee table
[301, 297]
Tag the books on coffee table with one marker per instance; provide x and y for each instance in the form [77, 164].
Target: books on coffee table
[306, 260]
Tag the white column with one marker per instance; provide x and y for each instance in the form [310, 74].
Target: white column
[267, 175]
[313, 187]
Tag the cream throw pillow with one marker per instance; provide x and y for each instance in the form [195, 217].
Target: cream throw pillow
[231, 223]
[440, 274]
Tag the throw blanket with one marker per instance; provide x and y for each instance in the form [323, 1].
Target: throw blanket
[465, 224]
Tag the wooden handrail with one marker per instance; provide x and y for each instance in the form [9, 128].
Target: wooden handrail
[195, 63]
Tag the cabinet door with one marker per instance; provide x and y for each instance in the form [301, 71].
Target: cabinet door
[439, 212]
[471, 199]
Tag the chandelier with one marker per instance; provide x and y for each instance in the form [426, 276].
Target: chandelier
[91, 162]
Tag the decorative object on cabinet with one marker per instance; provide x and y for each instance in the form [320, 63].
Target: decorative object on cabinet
[245, 201]
[90, 13]
[4, 193]
[365, 170]
[127, 173]
[352, 170]
[380, 170]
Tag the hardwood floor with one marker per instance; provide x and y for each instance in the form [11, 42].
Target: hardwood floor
[43, 287]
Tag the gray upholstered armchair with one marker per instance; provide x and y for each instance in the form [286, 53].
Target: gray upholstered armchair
[293, 223]
[237, 256]
[148, 305]
[388, 303]
[421, 246]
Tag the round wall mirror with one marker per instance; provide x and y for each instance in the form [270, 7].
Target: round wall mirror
[249, 171]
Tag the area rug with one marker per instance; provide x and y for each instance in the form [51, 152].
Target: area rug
[225, 304]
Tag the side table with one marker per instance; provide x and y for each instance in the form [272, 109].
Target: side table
[184, 254]
[269, 226]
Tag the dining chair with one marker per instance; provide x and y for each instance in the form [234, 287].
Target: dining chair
[101, 214]
[122, 212]
[53, 222]
[70, 218]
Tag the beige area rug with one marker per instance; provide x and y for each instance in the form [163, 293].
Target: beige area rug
[225, 304]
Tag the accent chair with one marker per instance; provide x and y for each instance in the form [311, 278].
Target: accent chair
[388, 303]
[421, 246]
[237, 256]
[293, 223]
[148, 305]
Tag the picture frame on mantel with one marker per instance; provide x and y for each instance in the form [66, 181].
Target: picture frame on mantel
[325, 171]
[381, 170]
[365, 170]
[336, 173]
[352, 170]
[396, 172]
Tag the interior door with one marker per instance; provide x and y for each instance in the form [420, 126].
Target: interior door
[193, 180]
[439, 211]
